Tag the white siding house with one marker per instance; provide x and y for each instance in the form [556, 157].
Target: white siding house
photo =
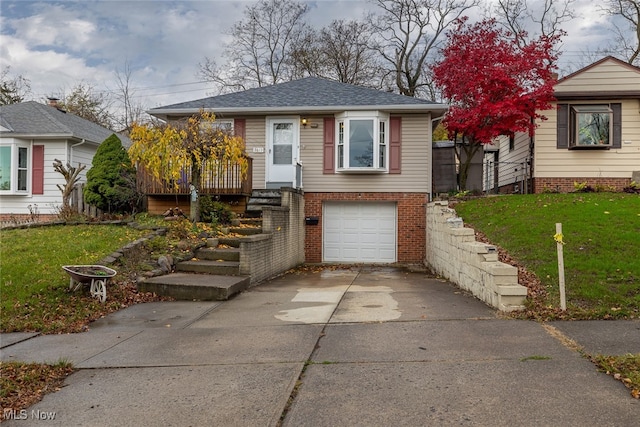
[32, 137]
[592, 135]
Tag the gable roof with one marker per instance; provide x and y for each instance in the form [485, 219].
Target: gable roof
[35, 120]
[607, 78]
[307, 95]
[599, 62]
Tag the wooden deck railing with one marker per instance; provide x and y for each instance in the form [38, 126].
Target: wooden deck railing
[216, 178]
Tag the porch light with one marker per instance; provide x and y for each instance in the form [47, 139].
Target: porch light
[304, 122]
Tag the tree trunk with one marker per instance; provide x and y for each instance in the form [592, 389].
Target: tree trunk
[470, 149]
[194, 206]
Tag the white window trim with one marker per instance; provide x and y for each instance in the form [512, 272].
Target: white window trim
[573, 124]
[377, 117]
[13, 190]
[218, 123]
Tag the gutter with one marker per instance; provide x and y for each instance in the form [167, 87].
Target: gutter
[308, 109]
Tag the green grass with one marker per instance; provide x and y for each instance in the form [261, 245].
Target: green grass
[34, 288]
[602, 242]
[625, 368]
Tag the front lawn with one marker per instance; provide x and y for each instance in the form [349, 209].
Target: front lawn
[35, 289]
[602, 242]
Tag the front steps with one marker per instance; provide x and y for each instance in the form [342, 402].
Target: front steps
[213, 274]
[261, 198]
[204, 287]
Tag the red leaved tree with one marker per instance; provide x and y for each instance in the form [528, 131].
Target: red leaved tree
[494, 87]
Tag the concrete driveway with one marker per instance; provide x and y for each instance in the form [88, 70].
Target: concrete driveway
[360, 347]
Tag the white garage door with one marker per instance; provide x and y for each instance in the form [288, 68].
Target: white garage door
[359, 232]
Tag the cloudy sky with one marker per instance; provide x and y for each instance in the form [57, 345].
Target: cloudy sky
[56, 44]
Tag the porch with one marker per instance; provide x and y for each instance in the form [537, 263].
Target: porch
[221, 179]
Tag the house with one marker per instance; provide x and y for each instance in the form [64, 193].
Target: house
[592, 135]
[361, 156]
[32, 136]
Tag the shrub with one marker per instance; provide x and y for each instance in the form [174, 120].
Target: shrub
[634, 187]
[583, 187]
[215, 212]
[111, 181]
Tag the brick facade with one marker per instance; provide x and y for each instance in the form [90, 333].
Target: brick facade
[411, 222]
[566, 185]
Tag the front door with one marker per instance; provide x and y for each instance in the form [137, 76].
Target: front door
[283, 136]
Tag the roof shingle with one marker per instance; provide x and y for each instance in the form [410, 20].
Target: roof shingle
[34, 118]
[307, 93]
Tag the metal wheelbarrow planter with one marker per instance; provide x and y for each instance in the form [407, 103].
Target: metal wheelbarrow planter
[95, 275]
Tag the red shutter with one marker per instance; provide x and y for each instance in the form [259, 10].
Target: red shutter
[328, 148]
[37, 170]
[239, 128]
[395, 144]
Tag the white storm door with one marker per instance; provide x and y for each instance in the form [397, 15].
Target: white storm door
[283, 135]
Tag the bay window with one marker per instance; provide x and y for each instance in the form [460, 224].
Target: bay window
[362, 141]
[14, 168]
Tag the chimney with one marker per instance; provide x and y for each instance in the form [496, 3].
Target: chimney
[53, 102]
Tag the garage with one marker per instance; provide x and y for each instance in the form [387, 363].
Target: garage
[359, 232]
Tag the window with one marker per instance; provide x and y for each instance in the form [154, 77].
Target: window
[591, 126]
[362, 141]
[225, 125]
[5, 168]
[512, 142]
[14, 169]
[22, 169]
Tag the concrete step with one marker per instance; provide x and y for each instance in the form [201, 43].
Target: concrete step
[257, 222]
[265, 193]
[246, 231]
[229, 241]
[219, 254]
[229, 268]
[205, 287]
[267, 201]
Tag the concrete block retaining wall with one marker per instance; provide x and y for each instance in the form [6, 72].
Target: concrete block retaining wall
[281, 244]
[452, 252]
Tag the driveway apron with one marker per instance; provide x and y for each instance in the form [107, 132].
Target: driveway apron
[324, 347]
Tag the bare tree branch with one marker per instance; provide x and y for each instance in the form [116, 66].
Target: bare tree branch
[627, 40]
[409, 34]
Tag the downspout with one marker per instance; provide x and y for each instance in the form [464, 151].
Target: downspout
[71, 150]
[430, 162]
[532, 142]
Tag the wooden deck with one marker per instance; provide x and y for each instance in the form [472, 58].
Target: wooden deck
[216, 179]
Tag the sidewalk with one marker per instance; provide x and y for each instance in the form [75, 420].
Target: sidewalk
[359, 348]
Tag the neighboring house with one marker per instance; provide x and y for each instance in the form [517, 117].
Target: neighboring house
[361, 156]
[592, 136]
[32, 136]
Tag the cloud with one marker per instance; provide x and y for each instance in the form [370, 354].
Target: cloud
[57, 44]
[55, 26]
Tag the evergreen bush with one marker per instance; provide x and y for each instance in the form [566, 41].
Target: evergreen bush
[215, 212]
[111, 181]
